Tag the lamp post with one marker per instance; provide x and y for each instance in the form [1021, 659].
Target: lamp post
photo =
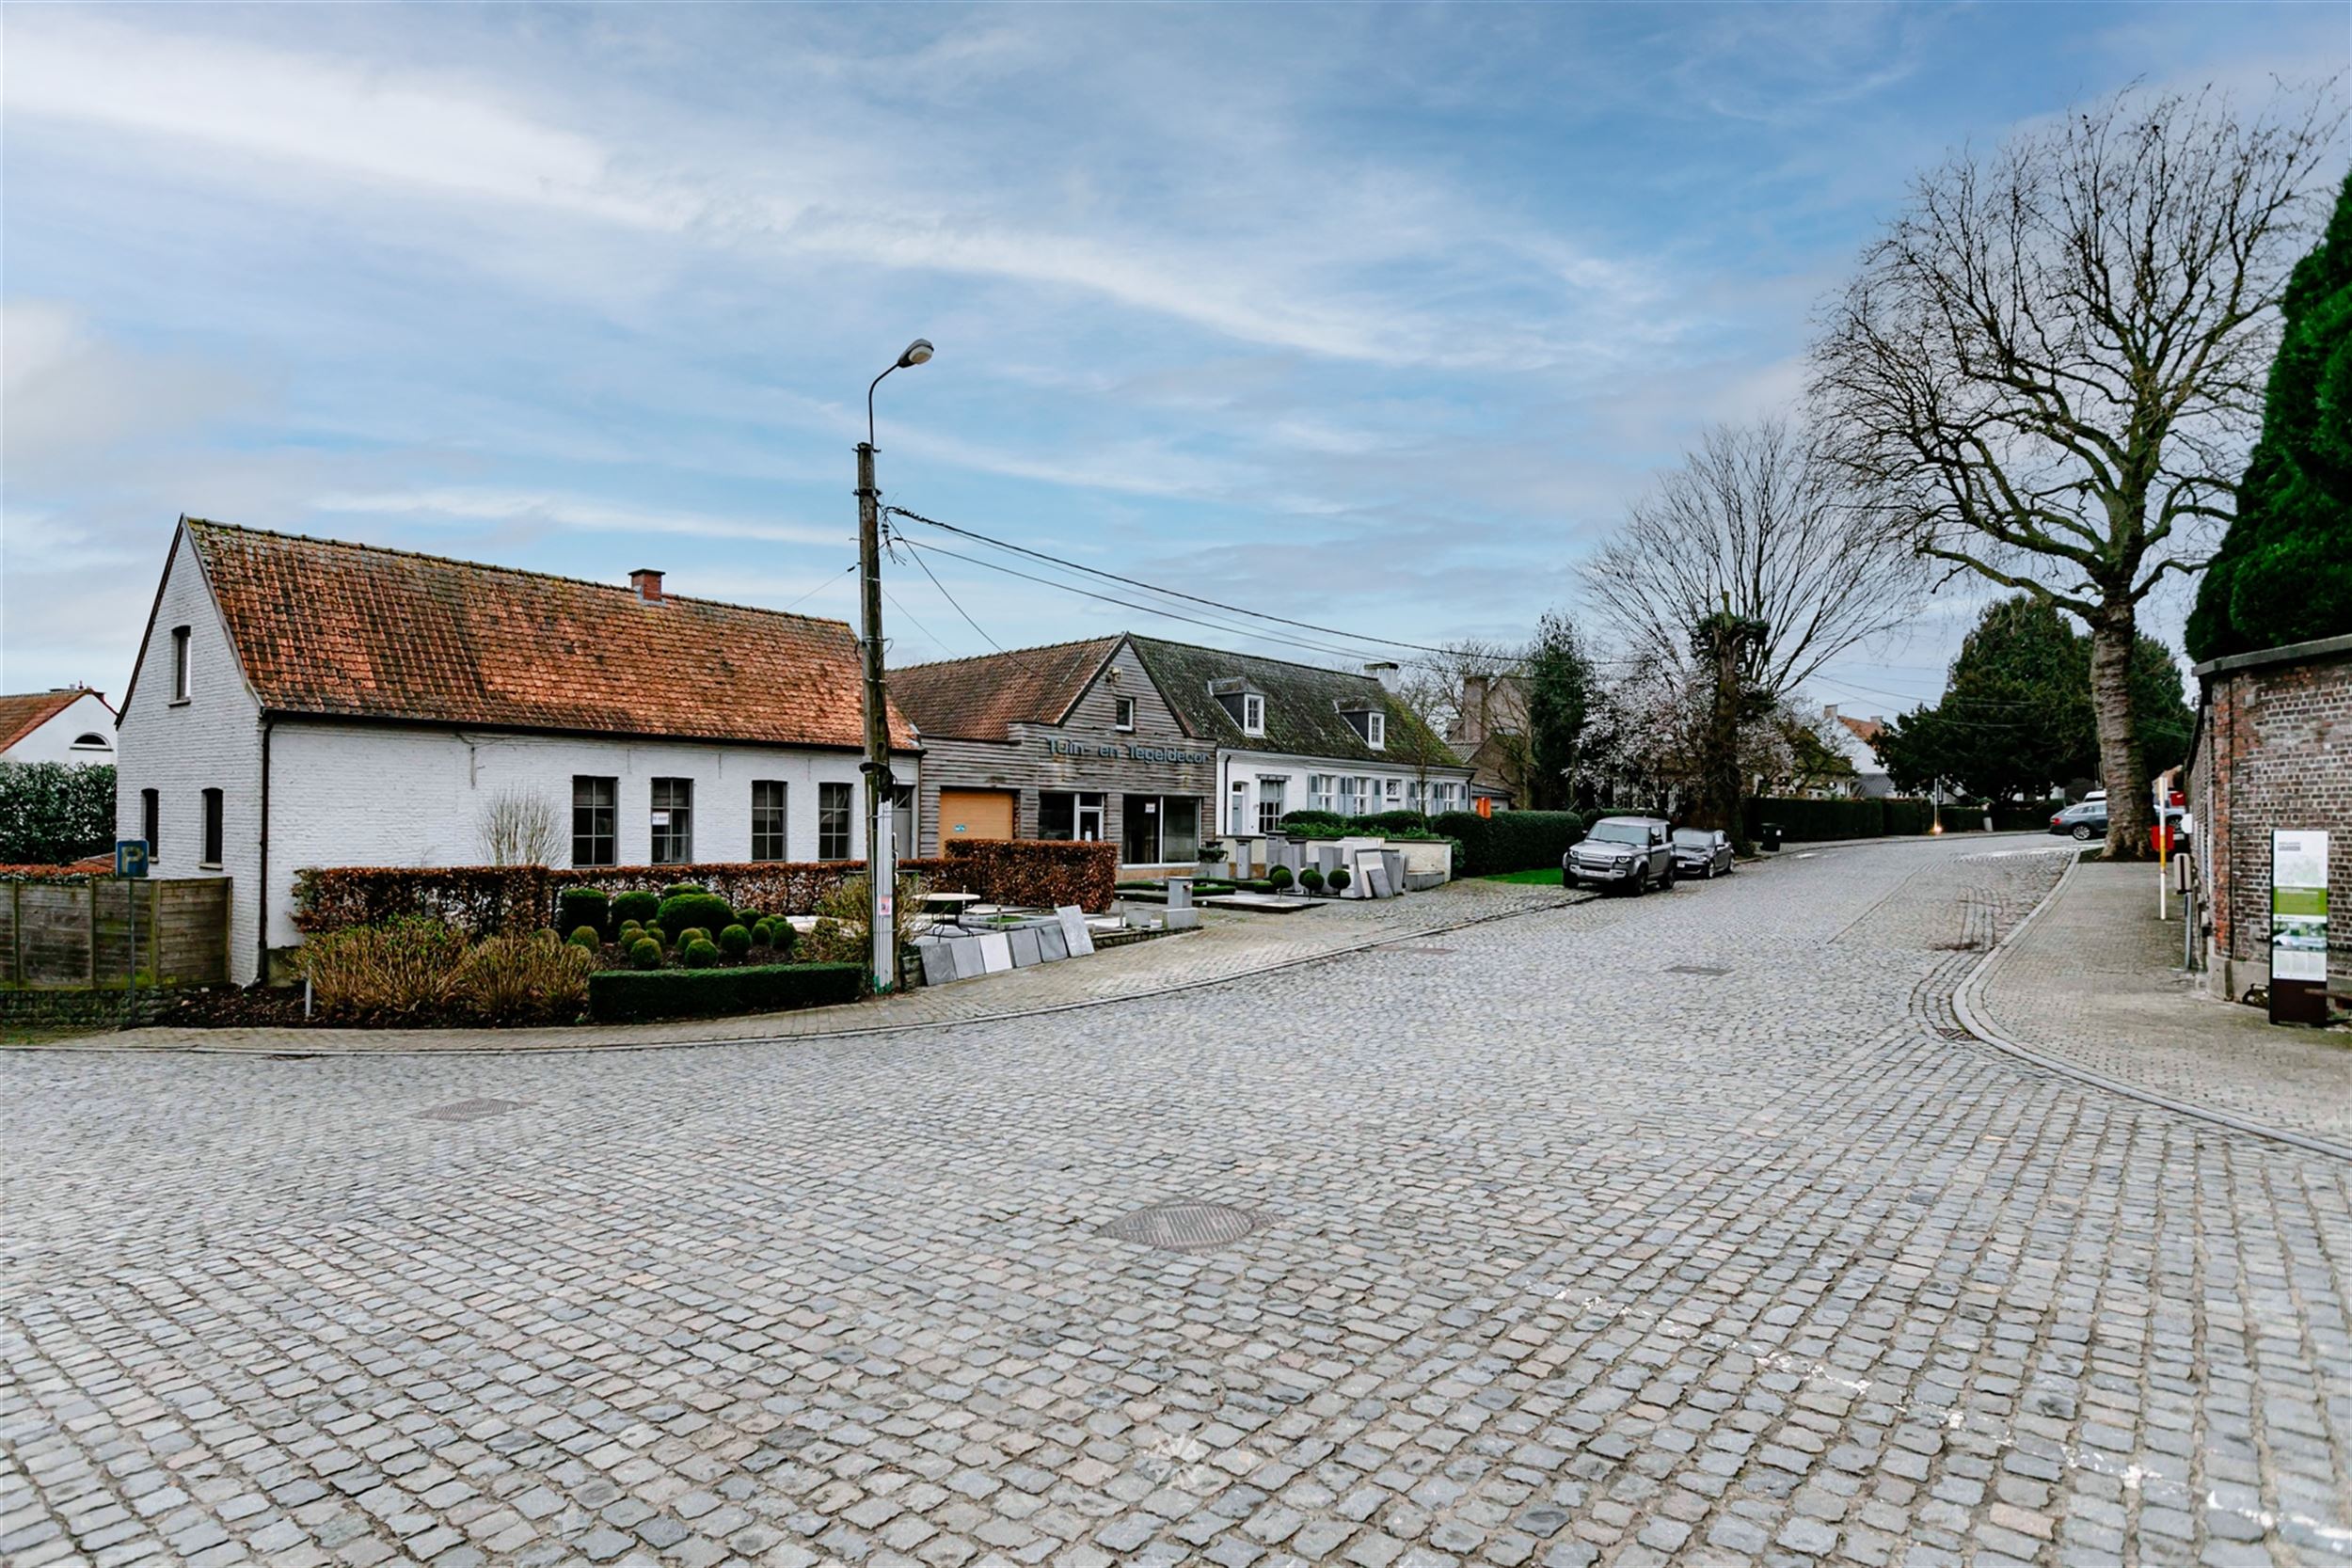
[882, 870]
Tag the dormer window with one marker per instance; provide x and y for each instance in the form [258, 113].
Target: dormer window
[1369, 722]
[1243, 704]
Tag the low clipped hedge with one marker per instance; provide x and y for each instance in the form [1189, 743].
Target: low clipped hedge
[636, 996]
[1508, 840]
[1804, 821]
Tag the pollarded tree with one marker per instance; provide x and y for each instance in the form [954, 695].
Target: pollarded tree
[2284, 574]
[2052, 361]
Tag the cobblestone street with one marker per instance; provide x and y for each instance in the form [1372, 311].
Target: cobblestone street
[1680, 1230]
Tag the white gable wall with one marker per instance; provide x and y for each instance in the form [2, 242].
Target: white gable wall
[213, 740]
[53, 740]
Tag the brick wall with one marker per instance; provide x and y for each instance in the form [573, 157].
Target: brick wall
[2275, 750]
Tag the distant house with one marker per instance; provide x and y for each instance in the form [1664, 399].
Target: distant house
[72, 724]
[306, 703]
[1489, 733]
[1158, 746]
[1851, 738]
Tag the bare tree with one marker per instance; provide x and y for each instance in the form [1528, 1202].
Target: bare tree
[1760, 524]
[2052, 363]
[521, 828]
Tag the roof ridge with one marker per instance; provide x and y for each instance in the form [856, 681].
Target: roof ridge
[495, 566]
[1008, 653]
[1262, 659]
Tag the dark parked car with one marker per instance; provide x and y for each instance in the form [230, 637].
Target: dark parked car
[2084, 820]
[1630, 852]
[1702, 853]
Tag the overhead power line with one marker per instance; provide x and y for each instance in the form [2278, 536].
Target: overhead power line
[1180, 593]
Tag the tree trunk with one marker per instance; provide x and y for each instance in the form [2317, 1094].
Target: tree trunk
[2129, 817]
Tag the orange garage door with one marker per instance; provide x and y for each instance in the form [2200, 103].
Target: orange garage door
[975, 814]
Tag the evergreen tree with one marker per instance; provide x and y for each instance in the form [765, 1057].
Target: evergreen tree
[2283, 573]
[1559, 697]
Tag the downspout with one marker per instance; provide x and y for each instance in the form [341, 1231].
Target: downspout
[261, 894]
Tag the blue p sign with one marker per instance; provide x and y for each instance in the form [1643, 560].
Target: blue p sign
[130, 857]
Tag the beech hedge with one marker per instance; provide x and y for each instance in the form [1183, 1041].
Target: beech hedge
[1039, 873]
[635, 996]
[1508, 840]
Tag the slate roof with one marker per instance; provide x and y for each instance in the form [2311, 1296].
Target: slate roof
[19, 716]
[324, 627]
[1304, 704]
[981, 698]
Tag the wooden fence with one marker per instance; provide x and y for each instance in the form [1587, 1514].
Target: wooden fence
[58, 935]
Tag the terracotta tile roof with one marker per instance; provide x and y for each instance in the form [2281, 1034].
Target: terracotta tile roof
[19, 716]
[980, 698]
[359, 631]
[1863, 729]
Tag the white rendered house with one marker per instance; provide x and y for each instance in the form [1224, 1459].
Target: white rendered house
[305, 702]
[72, 724]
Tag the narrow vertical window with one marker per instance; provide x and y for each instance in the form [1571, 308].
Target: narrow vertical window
[179, 664]
[151, 821]
[768, 820]
[1126, 720]
[1377, 731]
[596, 820]
[833, 822]
[1253, 715]
[211, 853]
[673, 821]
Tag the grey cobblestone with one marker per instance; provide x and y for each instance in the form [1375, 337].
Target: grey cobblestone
[1563, 1258]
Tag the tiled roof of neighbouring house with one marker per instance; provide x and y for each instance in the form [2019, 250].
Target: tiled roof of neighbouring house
[1863, 729]
[1304, 705]
[357, 631]
[19, 716]
[980, 698]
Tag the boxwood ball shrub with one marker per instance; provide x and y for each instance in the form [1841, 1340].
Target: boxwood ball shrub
[782, 936]
[655, 934]
[735, 941]
[1280, 877]
[706, 910]
[575, 907]
[1339, 877]
[1311, 880]
[700, 952]
[644, 953]
[586, 937]
[638, 906]
[747, 918]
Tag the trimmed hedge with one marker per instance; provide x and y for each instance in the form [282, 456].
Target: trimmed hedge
[631, 996]
[1810, 821]
[1035, 873]
[1508, 840]
[1371, 825]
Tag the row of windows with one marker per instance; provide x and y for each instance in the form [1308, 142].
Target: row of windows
[670, 808]
[1355, 795]
[209, 834]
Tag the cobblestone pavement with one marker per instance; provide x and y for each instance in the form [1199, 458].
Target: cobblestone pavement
[1227, 945]
[1563, 1254]
[2094, 982]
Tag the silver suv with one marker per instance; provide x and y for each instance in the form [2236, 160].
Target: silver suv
[1630, 852]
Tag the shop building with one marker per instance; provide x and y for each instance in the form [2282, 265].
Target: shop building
[1158, 746]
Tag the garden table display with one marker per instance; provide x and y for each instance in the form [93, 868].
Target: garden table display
[954, 904]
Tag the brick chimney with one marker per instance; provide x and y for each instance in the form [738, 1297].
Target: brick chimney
[1469, 722]
[647, 581]
[1829, 714]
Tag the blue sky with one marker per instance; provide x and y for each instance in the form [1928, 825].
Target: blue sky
[1372, 316]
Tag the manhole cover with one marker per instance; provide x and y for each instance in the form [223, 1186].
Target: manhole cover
[1184, 1227]
[470, 1109]
[1694, 968]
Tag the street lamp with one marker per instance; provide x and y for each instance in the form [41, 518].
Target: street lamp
[882, 870]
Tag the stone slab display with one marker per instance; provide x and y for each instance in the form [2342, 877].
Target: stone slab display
[996, 952]
[1185, 919]
[1374, 874]
[1394, 861]
[964, 953]
[938, 968]
[1074, 929]
[1026, 951]
[1052, 941]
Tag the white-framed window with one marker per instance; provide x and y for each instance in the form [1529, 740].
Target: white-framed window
[1319, 792]
[1125, 708]
[1270, 792]
[1349, 798]
[92, 741]
[179, 672]
[1377, 731]
[1252, 714]
[1394, 791]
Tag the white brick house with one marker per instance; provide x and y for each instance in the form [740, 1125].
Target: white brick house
[72, 724]
[305, 702]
